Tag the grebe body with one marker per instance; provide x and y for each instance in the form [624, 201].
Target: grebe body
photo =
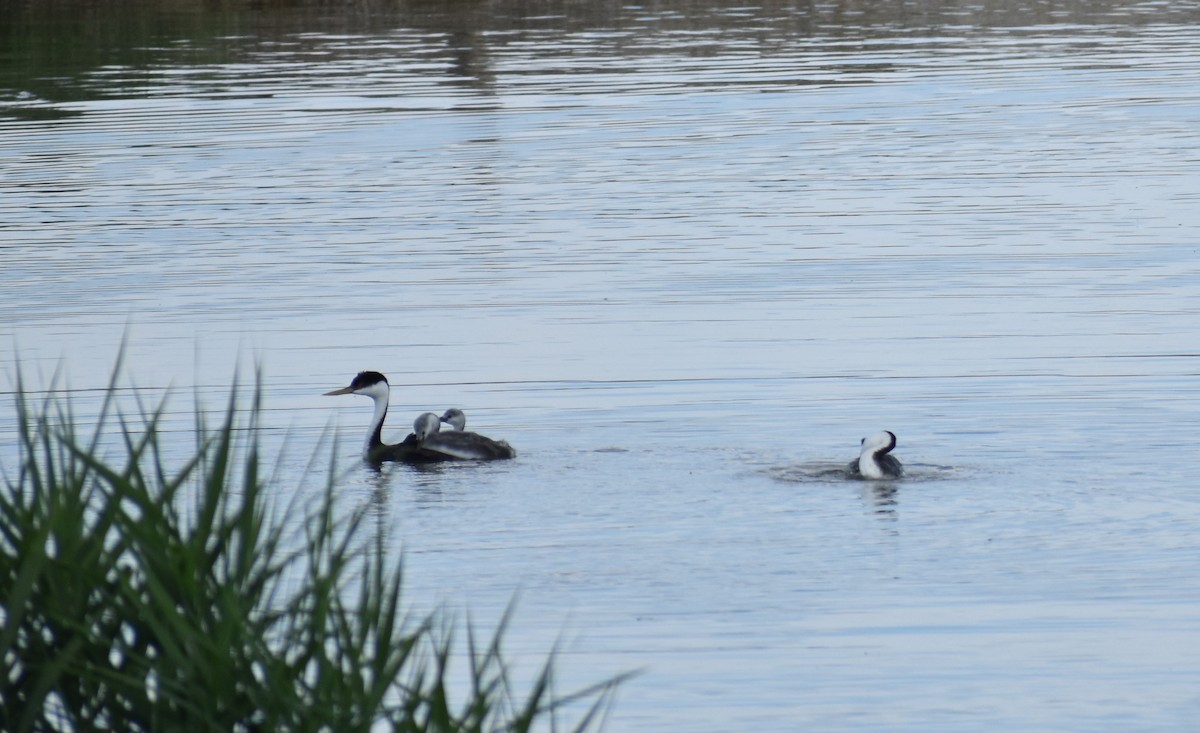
[875, 460]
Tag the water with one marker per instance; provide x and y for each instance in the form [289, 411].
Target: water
[683, 258]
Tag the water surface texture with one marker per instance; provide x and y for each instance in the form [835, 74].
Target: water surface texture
[683, 256]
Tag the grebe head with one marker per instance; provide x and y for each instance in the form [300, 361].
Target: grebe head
[455, 418]
[371, 384]
[879, 443]
[425, 425]
[375, 386]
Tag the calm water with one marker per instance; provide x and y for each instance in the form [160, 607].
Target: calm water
[683, 257]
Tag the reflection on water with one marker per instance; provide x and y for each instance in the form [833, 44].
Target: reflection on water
[70, 51]
[683, 255]
[881, 496]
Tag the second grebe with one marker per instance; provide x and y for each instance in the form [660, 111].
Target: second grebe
[874, 461]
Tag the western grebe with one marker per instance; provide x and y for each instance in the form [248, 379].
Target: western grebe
[874, 461]
[426, 444]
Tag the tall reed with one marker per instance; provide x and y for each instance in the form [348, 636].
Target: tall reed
[138, 596]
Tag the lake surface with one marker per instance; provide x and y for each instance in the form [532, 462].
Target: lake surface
[683, 256]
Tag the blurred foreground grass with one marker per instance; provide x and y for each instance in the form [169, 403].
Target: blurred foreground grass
[137, 596]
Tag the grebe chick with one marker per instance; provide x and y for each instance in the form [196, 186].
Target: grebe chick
[414, 449]
[425, 425]
[874, 461]
[455, 418]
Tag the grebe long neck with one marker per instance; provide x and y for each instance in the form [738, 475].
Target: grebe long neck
[379, 394]
[868, 466]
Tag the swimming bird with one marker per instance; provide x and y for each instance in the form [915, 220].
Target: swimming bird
[455, 418]
[874, 461]
[428, 446]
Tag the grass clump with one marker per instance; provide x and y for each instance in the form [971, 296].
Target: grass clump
[137, 597]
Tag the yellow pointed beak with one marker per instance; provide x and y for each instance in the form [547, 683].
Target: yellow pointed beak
[343, 390]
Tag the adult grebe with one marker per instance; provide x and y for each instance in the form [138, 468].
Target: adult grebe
[874, 462]
[431, 447]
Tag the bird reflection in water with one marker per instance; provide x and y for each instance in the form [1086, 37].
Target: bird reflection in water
[882, 498]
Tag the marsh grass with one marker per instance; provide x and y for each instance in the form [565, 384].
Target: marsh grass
[137, 596]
